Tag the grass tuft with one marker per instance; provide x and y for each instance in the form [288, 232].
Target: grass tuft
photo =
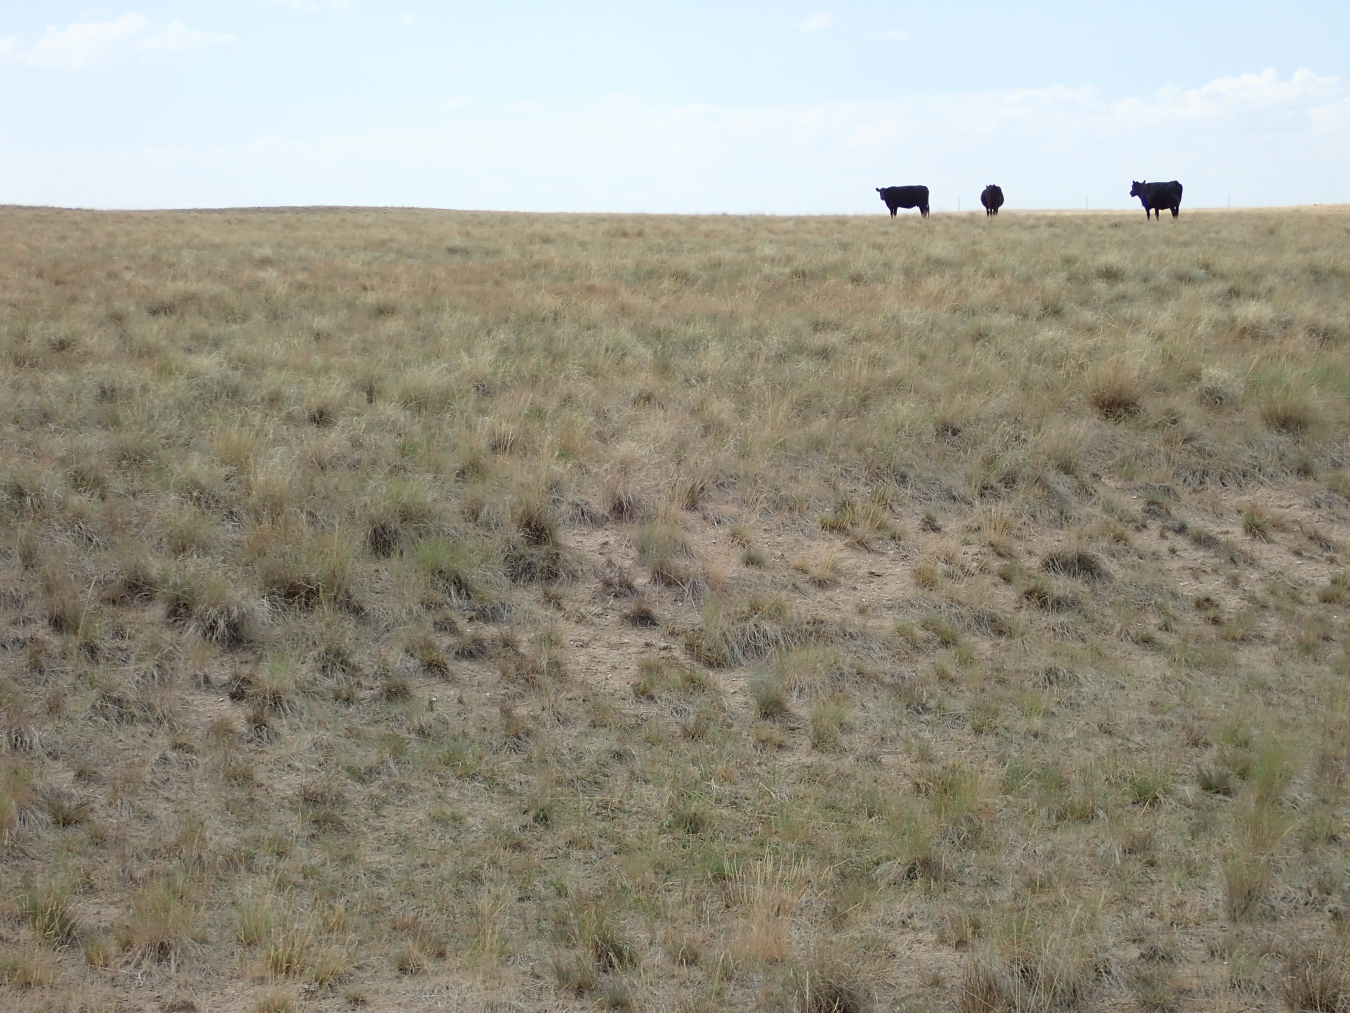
[1115, 392]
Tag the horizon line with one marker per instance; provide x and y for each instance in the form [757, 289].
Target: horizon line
[976, 211]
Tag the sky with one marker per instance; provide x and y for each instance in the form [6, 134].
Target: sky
[787, 108]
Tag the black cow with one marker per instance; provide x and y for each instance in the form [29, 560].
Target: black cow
[1156, 196]
[905, 197]
[992, 199]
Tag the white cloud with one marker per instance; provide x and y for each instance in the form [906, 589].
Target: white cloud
[1047, 147]
[524, 106]
[409, 19]
[459, 102]
[177, 37]
[86, 44]
[8, 46]
[1244, 95]
[815, 23]
[894, 33]
[310, 6]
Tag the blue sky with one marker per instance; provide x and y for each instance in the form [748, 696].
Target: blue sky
[697, 107]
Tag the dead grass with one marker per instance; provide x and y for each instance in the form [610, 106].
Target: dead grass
[633, 612]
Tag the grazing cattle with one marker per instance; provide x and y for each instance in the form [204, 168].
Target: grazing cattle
[1156, 196]
[905, 197]
[992, 199]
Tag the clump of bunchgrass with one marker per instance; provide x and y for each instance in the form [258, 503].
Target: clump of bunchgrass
[1336, 591]
[1289, 409]
[1115, 391]
[1317, 978]
[827, 984]
[770, 700]
[207, 604]
[1220, 388]
[667, 555]
[594, 928]
[48, 905]
[535, 553]
[1078, 563]
[1028, 966]
[734, 632]
[1247, 876]
[164, 922]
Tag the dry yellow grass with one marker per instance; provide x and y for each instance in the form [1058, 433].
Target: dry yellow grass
[447, 610]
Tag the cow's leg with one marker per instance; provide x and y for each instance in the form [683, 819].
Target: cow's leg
[892, 212]
[1176, 211]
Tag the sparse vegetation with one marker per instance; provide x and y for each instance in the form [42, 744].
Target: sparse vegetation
[820, 615]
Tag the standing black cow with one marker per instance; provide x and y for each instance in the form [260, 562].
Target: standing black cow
[1156, 196]
[905, 197]
[992, 199]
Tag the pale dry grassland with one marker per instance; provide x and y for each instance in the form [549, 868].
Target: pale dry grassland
[467, 611]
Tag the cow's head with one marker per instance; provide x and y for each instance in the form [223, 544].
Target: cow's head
[1137, 190]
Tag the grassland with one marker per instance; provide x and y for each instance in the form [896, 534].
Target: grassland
[411, 610]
